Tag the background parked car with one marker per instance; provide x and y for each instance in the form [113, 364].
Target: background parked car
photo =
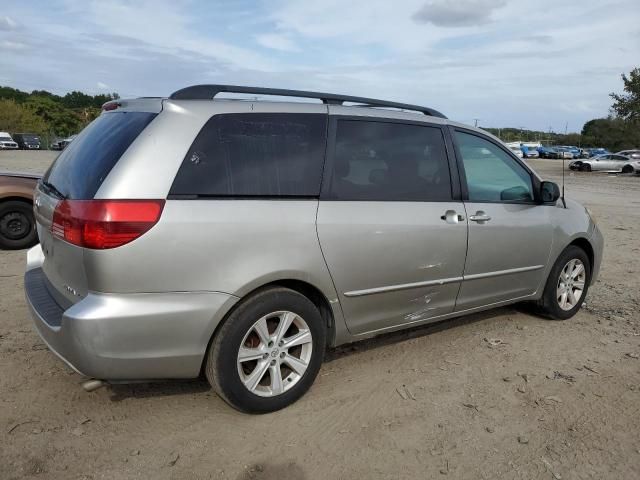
[27, 141]
[17, 224]
[547, 152]
[633, 166]
[517, 151]
[6, 142]
[593, 152]
[564, 152]
[529, 151]
[60, 144]
[608, 163]
[632, 154]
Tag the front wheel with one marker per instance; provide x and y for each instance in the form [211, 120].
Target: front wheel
[567, 285]
[268, 352]
[585, 167]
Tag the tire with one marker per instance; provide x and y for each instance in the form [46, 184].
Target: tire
[17, 225]
[267, 308]
[550, 305]
[628, 169]
[585, 167]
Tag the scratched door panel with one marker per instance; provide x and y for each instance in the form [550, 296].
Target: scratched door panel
[392, 263]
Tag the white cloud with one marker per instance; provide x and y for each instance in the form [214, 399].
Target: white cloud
[103, 86]
[277, 41]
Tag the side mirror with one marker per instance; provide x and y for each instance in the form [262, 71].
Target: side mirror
[549, 192]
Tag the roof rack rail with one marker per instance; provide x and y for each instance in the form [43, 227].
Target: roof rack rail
[208, 92]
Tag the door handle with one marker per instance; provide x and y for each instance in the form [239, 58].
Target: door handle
[480, 217]
[451, 216]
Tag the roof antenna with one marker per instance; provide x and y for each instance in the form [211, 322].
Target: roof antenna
[562, 196]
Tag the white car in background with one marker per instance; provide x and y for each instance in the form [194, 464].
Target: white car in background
[612, 162]
[633, 166]
[6, 142]
[632, 154]
[517, 151]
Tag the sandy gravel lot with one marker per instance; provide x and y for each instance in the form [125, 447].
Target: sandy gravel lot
[552, 400]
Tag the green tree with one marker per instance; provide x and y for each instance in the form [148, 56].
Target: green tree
[62, 121]
[627, 105]
[612, 133]
[16, 118]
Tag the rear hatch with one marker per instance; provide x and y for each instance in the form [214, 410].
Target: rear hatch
[70, 185]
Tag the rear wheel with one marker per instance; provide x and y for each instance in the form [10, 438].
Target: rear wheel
[268, 352]
[567, 285]
[17, 225]
[585, 167]
[627, 169]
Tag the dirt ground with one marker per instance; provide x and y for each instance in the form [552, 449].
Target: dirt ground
[502, 394]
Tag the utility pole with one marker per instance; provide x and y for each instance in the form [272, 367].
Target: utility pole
[476, 122]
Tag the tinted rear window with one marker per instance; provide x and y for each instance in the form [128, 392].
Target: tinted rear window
[255, 155]
[379, 161]
[83, 165]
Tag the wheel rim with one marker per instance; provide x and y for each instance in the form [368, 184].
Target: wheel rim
[571, 284]
[14, 225]
[275, 353]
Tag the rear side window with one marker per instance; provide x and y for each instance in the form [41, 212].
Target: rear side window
[389, 161]
[255, 155]
[83, 165]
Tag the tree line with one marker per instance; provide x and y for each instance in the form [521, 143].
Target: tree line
[47, 114]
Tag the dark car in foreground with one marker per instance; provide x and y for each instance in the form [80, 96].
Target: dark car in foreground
[17, 224]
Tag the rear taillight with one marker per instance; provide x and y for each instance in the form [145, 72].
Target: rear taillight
[102, 224]
[110, 105]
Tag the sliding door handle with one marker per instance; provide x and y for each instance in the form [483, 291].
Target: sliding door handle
[451, 216]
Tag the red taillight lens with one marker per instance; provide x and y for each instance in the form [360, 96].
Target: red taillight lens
[110, 105]
[102, 224]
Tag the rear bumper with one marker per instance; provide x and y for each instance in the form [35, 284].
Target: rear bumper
[127, 336]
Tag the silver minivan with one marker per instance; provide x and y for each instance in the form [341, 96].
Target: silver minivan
[240, 239]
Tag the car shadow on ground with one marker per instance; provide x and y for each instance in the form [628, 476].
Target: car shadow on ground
[391, 338]
[120, 392]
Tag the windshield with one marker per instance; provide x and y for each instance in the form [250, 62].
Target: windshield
[5, 139]
[80, 169]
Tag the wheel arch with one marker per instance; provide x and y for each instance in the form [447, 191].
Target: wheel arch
[313, 293]
[584, 244]
[16, 198]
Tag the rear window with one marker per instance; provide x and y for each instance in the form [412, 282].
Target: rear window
[84, 164]
[255, 155]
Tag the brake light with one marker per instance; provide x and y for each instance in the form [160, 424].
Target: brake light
[102, 224]
[110, 105]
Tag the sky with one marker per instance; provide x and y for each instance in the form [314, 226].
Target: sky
[535, 64]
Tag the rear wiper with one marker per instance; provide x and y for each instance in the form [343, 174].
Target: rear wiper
[53, 190]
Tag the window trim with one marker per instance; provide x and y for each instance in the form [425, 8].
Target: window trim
[535, 182]
[325, 193]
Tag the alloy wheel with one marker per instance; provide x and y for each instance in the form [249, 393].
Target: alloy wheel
[571, 284]
[275, 353]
